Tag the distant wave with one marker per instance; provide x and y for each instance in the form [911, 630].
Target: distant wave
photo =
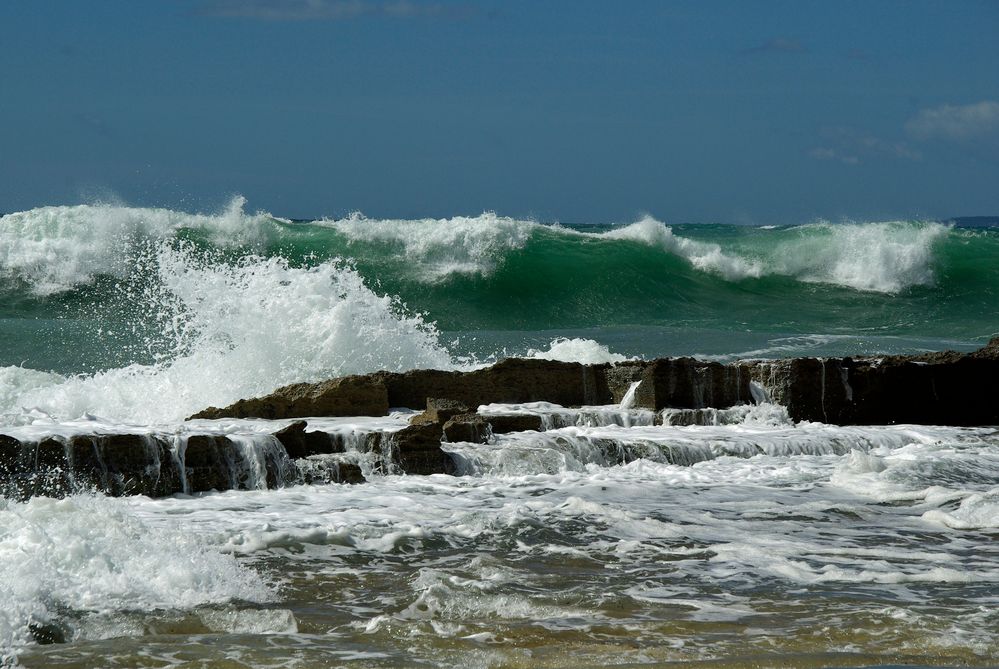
[52, 249]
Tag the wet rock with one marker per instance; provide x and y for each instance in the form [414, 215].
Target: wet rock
[510, 381]
[417, 449]
[681, 383]
[324, 469]
[504, 423]
[45, 633]
[946, 388]
[301, 444]
[10, 451]
[346, 396]
[208, 461]
[49, 454]
[468, 427]
[513, 380]
[33, 468]
[476, 428]
[439, 410]
[122, 464]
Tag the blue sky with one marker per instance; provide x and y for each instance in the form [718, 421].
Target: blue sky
[761, 112]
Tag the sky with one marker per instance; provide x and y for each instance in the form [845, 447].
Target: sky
[579, 112]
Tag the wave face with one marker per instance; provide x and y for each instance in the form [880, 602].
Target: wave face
[148, 303]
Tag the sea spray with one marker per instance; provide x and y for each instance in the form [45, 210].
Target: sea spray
[239, 329]
[883, 257]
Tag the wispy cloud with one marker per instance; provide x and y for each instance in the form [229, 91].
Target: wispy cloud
[777, 45]
[956, 122]
[324, 10]
[847, 146]
[827, 153]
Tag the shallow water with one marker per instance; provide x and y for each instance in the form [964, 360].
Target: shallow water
[804, 546]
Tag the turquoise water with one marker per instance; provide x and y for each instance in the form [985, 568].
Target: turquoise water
[82, 287]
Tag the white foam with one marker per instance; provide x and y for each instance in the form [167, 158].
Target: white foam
[94, 554]
[884, 257]
[494, 550]
[437, 248]
[976, 511]
[584, 351]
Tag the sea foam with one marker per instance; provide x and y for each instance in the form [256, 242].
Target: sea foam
[93, 554]
[585, 351]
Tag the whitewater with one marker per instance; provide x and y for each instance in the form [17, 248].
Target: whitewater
[612, 537]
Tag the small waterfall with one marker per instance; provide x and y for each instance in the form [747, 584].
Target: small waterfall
[178, 446]
[844, 375]
[261, 462]
[628, 401]
[822, 399]
[759, 393]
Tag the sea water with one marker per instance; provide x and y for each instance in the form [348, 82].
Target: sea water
[605, 540]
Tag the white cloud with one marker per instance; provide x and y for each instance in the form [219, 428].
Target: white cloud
[958, 123]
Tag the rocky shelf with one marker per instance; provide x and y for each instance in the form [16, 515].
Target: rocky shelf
[939, 388]
[945, 388]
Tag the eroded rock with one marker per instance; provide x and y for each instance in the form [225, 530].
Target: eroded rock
[345, 396]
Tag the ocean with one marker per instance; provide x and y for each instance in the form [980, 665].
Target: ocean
[606, 540]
